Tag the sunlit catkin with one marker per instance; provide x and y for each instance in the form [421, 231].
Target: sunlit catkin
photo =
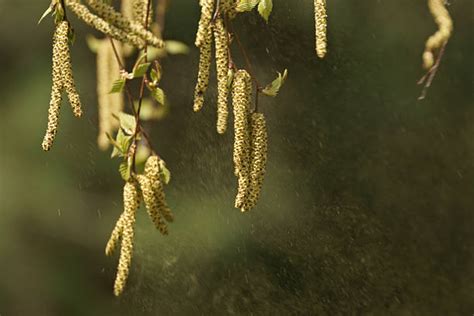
[115, 236]
[109, 104]
[222, 66]
[109, 14]
[140, 11]
[66, 68]
[152, 204]
[103, 26]
[258, 160]
[131, 201]
[153, 173]
[55, 102]
[320, 17]
[207, 11]
[441, 37]
[205, 57]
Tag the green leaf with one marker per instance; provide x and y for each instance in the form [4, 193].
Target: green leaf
[158, 94]
[125, 170]
[273, 88]
[118, 85]
[155, 76]
[176, 48]
[246, 5]
[265, 8]
[121, 144]
[165, 173]
[127, 122]
[140, 70]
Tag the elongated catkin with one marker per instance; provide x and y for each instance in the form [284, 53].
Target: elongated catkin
[83, 13]
[153, 172]
[131, 201]
[152, 204]
[222, 65]
[320, 17]
[109, 14]
[56, 97]
[441, 37]
[205, 57]
[115, 236]
[139, 12]
[207, 11]
[258, 160]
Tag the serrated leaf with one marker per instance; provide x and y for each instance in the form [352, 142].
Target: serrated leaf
[158, 94]
[116, 147]
[127, 123]
[164, 172]
[176, 47]
[273, 88]
[140, 70]
[118, 85]
[125, 170]
[265, 8]
[246, 5]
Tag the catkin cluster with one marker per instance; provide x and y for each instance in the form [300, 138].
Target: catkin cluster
[250, 144]
[436, 41]
[148, 186]
[212, 27]
[320, 18]
[109, 104]
[114, 24]
[62, 80]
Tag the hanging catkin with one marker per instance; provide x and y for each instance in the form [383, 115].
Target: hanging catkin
[441, 37]
[152, 204]
[131, 201]
[258, 160]
[62, 79]
[320, 17]
[109, 104]
[153, 173]
[241, 97]
[222, 65]
[103, 26]
[139, 12]
[207, 11]
[109, 14]
[204, 68]
[115, 236]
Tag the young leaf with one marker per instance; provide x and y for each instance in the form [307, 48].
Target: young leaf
[140, 70]
[273, 88]
[246, 5]
[165, 173]
[125, 170]
[176, 48]
[47, 12]
[155, 76]
[158, 94]
[265, 8]
[118, 85]
[127, 122]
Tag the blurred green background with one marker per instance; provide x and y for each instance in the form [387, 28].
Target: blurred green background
[368, 203]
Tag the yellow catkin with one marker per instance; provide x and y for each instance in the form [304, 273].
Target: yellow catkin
[55, 102]
[139, 11]
[204, 68]
[131, 201]
[115, 236]
[153, 172]
[229, 7]
[66, 68]
[103, 26]
[222, 66]
[152, 204]
[241, 97]
[109, 104]
[109, 14]
[441, 37]
[207, 11]
[320, 17]
[258, 160]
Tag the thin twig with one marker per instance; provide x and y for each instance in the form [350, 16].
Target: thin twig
[428, 78]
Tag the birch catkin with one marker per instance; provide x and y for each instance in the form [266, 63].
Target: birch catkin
[139, 11]
[131, 201]
[204, 69]
[441, 37]
[115, 236]
[109, 14]
[258, 160]
[103, 26]
[320, 17]
[222, 65]
[153, 172]
[207, 11]
[152, 204]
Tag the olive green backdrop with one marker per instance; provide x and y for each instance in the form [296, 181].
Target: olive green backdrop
[368, 204]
